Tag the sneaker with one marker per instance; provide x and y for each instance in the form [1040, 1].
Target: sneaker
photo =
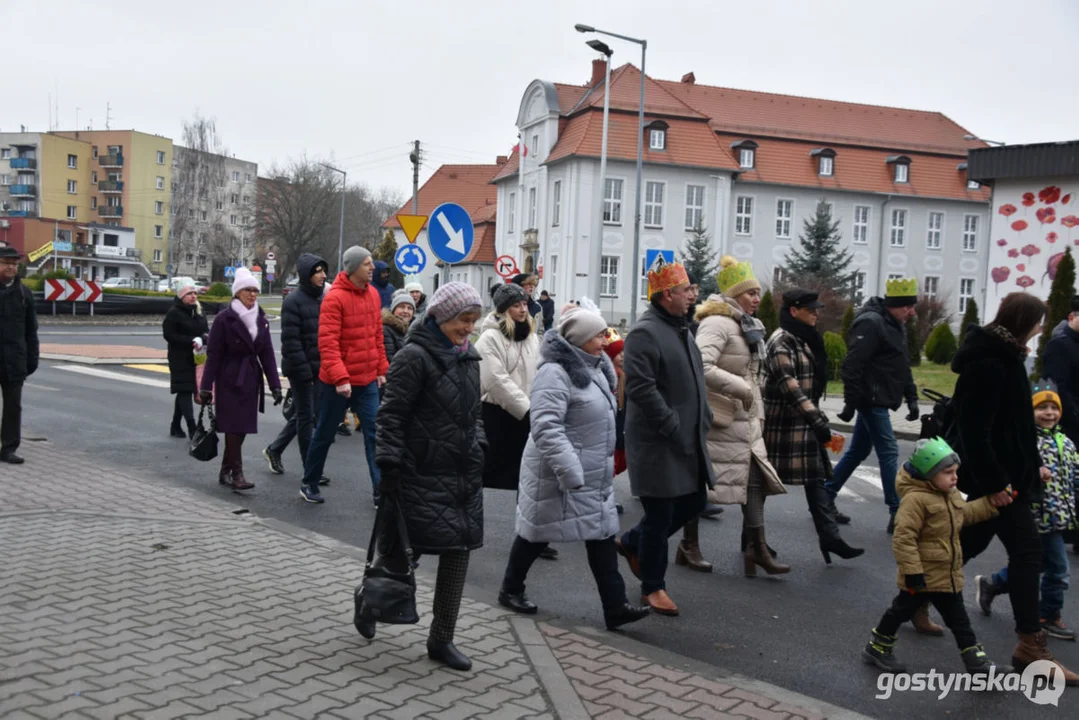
[1057, 629]
[324, 481]
[311, 495]
[273, 459]
[984, 592]
[976, 661]
[344, 430]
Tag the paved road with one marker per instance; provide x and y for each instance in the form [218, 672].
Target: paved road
[803, 631]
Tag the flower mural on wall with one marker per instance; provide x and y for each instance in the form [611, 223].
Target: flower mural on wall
[1049, 195]
[1019, 225]
[1008, 210]
[1024, 281]
[1069, 221]
[1013, 253]
[1028, 199]
[1000, 274]
[1031, 250]
[1051, 238]
[1002, 243]
[1046, 215]
[1051, 268]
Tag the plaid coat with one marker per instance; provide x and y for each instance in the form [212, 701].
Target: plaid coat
[789, 413]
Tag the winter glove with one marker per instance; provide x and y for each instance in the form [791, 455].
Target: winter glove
[847, 415]
[206, 396]
[823, 433]
[915, 583]
[914, 413]
[277, 396]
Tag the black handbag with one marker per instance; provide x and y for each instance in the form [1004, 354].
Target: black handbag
[288, 409]
[204, 440]
[386, 596]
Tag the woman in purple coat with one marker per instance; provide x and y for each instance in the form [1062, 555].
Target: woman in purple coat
[239, 353]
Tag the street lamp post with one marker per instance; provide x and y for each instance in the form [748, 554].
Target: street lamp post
[640, 161]
[969, 137]
[341, 227]
[596, 281]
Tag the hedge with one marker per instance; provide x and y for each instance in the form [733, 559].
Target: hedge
[836, 350]
[941, 346]
[153, 293]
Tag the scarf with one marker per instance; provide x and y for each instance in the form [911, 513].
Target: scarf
[460, 350]
[815, 341]
[521, 330]
[1008, 339]
[753, 332]
[249, 317]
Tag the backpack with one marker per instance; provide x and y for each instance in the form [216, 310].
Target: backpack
[940, 422]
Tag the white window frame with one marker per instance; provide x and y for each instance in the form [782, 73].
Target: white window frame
[934, 291]
[235, 176]
[159, 232]
[72, 187]
[788, 219]
[963, 298]
[5, 179]
[902, 173]
[934, 233]
[160, 157]
[159, 207]
[553, 274]
[694, 212]
[532, 208]
[826, 167]
[651, 207]
[93, 202]
[608, 275]
[747, 158]
[858, 288]
[157, 255]
[743, 218]
[5, 153]
[612, 206]
[556, 204]
[970, 233]
[535, 144]
[247, 177]
[779, 277]
[73, 161]
[511, 216]
[657, 140]
[897, 234]
[159, 183]
[72, 212]
[232, 219]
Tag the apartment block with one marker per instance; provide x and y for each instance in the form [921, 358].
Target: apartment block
[44, 175]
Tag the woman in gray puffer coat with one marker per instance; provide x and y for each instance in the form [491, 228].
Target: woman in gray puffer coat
[567, 472]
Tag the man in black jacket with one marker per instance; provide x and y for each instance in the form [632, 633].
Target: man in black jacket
[1061, 365]
[300, 358]
[18, 351]
[877, 380]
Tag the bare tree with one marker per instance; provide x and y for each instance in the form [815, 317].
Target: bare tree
[296, 211]
[198, 180]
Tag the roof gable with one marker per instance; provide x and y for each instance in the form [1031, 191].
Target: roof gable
[467, 185]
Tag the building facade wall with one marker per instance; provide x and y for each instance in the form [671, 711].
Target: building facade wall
[55, 175]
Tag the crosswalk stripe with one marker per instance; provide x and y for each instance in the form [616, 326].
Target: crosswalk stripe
[150, 368]
[110, 375]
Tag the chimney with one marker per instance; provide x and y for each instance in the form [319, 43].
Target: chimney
[599, 72]
[501, 160]
[689, 78]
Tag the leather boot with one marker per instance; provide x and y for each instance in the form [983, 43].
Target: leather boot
[745, 544]
[225, 476]
[239, 482]
[660, 602]
[689, 550]
[823, 513]
[923, 624]
[757, 554]
[1031, 647]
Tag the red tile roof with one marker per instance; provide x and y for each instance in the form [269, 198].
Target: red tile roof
[483, 248]
[510, 168]
[467, 185]
[626, 95]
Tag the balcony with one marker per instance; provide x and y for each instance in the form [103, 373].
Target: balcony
[23, 190]
[111, 186]
[134, 253]
[110, 211]
[22, 213]
[112, 160]
[23, 163]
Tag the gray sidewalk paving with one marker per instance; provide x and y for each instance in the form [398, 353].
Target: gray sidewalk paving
[123, 596]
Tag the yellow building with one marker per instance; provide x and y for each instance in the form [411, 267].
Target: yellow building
[46, 176]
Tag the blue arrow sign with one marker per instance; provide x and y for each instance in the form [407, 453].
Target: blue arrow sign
[411, 259]
[230, 272]
[449, 233]
[651, 255]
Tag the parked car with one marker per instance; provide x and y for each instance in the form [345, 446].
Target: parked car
[290, 286]
[177, 282]
[118, 282]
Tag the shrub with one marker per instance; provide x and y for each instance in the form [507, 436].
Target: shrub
[970, 317]
[848, 320]
[836, 349]
[768, 314]
[58, 275]
[34, 283]
[220, 289]
[914, 348]
[941, 346]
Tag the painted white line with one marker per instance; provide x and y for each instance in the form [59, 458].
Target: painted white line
[46, 388]
[109, 375]
[869, 475]
[848, 493]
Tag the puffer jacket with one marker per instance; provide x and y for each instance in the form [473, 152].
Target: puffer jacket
[300, 360]
[731, 373]
[381, 281]
[926, 537]
[394, 333]
[507, 366]
[876, 371]
[567, 473]
[350, 340]
[19, 347]
[430, 432]
[182, 324]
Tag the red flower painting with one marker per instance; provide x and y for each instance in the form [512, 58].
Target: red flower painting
[1052, 237]
[1031, 250]
[1002, 242]
[1028, 199]
[1025, 281]
[1069, 221]
[1000, 274]
[1046, 215]
[1013, 253]
[1049, 195]
[1066, 199]
[1019, 225]
[1008, 210]
[1021, 267]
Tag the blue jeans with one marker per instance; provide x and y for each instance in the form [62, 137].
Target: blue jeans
[331, 408]
[872, 431]
[1055, 575]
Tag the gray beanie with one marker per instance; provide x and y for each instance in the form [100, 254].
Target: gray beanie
[354, 257]
[401, 297]
[579, 325]
[507, 295]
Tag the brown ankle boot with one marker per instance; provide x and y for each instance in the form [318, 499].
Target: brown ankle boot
[1031, 647]
[689, 550]
[923, 624]
[757, 554]
[239, 482]
[660, 603]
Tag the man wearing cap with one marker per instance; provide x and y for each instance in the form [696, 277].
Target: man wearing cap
[877, 380]
[1061, 365]
[352, 367]
[667, 421]
[18, 350]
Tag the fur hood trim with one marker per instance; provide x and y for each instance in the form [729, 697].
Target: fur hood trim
[393, 322]
[577, 364]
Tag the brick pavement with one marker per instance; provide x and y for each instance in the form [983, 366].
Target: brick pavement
[123, 596]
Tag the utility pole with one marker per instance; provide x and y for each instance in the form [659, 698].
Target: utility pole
[415, 158]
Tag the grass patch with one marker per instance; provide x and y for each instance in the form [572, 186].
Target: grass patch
[926, 376]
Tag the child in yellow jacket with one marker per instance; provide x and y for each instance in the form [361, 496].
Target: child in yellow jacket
[929, 555]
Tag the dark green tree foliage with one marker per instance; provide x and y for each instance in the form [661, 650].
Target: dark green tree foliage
[701, 261]
[941, 346]
[848, 320]
[219, 289]
[768, 314]
[1060, 299]
[385, 252]
[914, 348]
[970, 317]
[820, 261]
[836, 349]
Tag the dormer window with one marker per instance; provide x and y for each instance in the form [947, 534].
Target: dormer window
[825, 161]
[657, 134]
[747, 153]
[901, 163]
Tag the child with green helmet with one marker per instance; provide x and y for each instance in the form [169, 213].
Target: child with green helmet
[930, 558]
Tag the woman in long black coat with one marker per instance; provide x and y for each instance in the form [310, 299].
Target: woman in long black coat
[430, 449]
[185, 328]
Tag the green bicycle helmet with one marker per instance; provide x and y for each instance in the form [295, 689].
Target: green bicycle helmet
[931, 456]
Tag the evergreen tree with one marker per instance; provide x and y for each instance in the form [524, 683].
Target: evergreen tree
[820, 260]
[848, 320]
[768, 314]
[701, 261]
[385, 251]
[970, 317]
[1060, 300]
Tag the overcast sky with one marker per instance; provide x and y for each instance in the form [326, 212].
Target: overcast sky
[360, 80]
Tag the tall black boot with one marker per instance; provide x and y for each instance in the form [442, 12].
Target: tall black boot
[823, 512]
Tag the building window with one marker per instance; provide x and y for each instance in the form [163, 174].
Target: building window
[157, 255]
[93, 151]
[857, 293]
[657, 140]
[159, 207]
[966, 292]
[160, 183]
[779, 276]
[899, 228]
[202, 260]
[234, 198]
[553, 274]
[931, 286]
[232, 219]
[247, 177]
[970, 233]
[160, 157]
[235, 176]
[531, 208]
[653, 204]
[973, 185]
[694, 206]
[93, 202]
[72, 161]
[743, 216]
[556, 204]
[244, 199]
[936, 225]
[71, 211]
[608, 276]
[827, 164]
[72, 187]
[535, 144]
[158, 231]
[5, 179]
[612, 202]
[746, 157]
[202, 213]
[93, 176]
[5, 153]
[189, 257]
[902, 172]
[219, 205]
[512, 221]
[784, 213]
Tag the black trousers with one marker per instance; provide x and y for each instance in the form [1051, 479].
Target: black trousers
[183, 408]
[663, 517]
[301, 423]
[11, 420]
[602, 559]
[949, 605]
[1018, 532]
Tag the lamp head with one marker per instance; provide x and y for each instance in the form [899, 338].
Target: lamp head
[600, 46]
[583, 28]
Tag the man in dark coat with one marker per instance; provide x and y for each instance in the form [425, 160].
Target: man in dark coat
[877, 380]
[547, 304]
[381, 281]
[667, 421]
[18, 351]
[1061, 365]
[300, 359]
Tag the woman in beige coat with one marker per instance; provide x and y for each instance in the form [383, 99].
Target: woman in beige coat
[731, 341]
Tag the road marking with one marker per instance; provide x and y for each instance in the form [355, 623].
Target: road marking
[110, 375]
[150, 368]
[35, 386]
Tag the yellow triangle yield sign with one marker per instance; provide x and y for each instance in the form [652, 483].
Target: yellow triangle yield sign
[411, 224]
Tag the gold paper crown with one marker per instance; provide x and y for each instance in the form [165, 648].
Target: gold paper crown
[663, 275]
[612, 335]
[902, 287]
[735, 277]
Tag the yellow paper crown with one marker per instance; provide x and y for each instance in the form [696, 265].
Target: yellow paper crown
[901, 287]
[663, 275]
[735, 277]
